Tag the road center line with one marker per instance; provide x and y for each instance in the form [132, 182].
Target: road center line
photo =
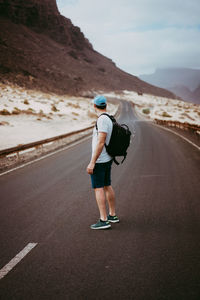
[13, 262]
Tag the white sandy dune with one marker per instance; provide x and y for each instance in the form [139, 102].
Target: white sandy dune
[27, 116]
[163, 108]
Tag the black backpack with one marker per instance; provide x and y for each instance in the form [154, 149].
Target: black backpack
[119, 141]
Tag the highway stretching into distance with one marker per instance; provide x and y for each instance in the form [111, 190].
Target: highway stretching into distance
[153, 253]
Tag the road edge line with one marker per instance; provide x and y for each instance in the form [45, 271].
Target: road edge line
[141, 117]
[181, 136]
[45, 156]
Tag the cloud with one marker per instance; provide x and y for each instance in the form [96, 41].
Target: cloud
[140, 35]
[140, 52]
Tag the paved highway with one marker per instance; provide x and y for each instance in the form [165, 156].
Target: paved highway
[153, 253]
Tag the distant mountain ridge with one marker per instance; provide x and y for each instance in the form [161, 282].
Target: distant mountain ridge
[184, 82]
[39, 48]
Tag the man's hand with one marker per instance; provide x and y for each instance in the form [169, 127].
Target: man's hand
[90, 168]
[97, 152]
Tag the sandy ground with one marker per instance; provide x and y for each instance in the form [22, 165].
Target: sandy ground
[163, 108]
[27, 115]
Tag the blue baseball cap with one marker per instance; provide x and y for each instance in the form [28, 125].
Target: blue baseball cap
[100, 100]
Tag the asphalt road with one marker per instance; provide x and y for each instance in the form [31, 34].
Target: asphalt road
[153, 253]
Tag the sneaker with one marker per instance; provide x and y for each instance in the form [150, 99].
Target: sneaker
[101, 225]
[113, 219]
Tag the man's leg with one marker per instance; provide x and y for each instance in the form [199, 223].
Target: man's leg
[110, 196]
[101, 202]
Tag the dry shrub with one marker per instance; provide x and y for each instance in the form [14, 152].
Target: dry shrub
[3, 123]
[26, 102]
[198, 112]
[91, 114]
[16, 111]
[29, 111]
[166, 115]
[74, 105]
[5, 112]
[146, 111]
[54, 108]
[75, 114]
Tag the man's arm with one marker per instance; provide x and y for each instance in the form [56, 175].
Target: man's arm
[99, 147]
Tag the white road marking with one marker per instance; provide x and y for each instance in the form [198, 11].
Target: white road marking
[187, 140]
[7, 268]
[144, 119]
[150, 175]
[43, 157]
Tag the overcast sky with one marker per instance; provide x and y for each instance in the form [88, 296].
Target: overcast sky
[140, 35]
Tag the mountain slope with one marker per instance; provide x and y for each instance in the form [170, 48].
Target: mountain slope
[186, 94]
[183, 82]
[39, 48]
[196, 93]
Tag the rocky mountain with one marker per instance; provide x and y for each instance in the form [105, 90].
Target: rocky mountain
[40, 48]
[196, 93]
[186, 94]
[182, 82]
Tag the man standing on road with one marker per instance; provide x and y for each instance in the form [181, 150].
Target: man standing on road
[99, 167]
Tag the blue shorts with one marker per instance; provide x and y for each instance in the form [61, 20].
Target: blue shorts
[101, 175]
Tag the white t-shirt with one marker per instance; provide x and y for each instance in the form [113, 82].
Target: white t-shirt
[104, 124]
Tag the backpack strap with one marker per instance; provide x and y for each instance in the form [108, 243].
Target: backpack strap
[117, 163]
[110, 117]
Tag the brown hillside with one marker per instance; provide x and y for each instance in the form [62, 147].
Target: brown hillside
[39, 48]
